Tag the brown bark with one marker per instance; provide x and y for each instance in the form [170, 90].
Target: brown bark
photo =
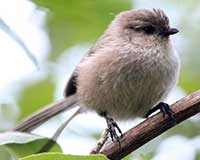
[153, 127]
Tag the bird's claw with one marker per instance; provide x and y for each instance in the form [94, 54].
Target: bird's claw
[164, 108]
[113, 129]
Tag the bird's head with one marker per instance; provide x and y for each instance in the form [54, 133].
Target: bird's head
[143, 25]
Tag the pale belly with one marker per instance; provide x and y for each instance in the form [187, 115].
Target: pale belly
[125, 92]
[134, 96]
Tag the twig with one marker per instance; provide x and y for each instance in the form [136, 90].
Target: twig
[100, 142]
[58, 132]
[152, 127]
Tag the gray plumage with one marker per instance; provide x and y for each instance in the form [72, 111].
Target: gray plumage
[128, 71]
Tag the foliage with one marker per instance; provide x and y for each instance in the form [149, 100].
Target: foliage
[35, 96]
[197, 156]
[147, 156]
[59, 156]
[24, 144]
[67, 20]
[69, 23]
[17, 39]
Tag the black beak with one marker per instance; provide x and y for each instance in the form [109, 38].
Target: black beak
[170, 31]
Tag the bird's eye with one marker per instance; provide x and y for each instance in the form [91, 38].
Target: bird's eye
[149, 29]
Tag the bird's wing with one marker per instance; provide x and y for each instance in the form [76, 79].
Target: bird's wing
[71, 86]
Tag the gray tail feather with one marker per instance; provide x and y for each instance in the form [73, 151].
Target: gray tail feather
[41, 116]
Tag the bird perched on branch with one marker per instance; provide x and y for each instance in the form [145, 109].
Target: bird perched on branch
[127, 73]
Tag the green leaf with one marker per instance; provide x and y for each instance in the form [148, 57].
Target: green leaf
[35, 96]
[8, 115]
[72, 22]
[128, 157]
[147, 156]
[59, 156]
[197, 156]
[24, 144]
[187, 128]
[17, 39]
[4, 154]
[189, 77]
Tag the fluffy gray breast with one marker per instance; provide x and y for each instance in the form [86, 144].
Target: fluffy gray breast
[141, 78]
[126, 82]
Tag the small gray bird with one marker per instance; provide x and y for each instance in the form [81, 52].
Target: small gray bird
[132, 67]
[128, 72]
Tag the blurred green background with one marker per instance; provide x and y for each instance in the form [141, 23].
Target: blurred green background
[73, 26]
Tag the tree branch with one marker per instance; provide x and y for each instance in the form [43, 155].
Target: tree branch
[101, 142]
[152, 127]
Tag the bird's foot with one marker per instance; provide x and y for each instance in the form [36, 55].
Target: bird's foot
[113, 128]
[164, 108]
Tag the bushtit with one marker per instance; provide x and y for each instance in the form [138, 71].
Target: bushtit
[130, 69]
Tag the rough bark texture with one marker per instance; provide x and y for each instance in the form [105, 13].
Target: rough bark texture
[153, 127]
